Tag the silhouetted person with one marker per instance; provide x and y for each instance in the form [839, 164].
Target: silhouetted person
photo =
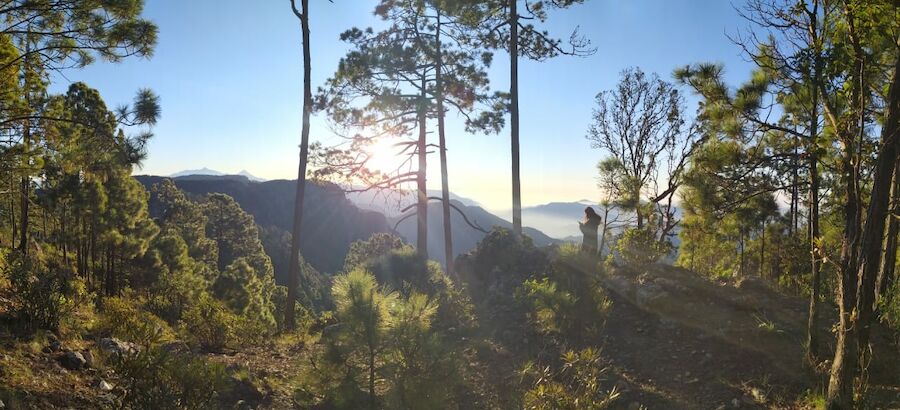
[589, 229]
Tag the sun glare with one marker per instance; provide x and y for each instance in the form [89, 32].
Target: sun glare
[386, 156]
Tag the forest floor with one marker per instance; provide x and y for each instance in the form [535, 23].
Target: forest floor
[675, 340]
[672, 340]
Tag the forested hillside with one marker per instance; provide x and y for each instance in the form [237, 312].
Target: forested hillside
[741, 251]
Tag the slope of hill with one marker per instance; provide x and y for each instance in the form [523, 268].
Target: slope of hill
[672, 340]
[212, 172]
[391, 202]
[331, 223]
[464, 236]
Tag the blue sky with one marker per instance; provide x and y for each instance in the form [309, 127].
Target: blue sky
[229, 75]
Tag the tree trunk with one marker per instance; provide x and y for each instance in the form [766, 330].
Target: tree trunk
[514, 114]
[741, 243]
[23, 228]
[843, 367]
[872, 238]
[300, 193]
[372, 401]
[812, 333]
[889, 263]
[442, 142]
[422, 204]
[762, 252]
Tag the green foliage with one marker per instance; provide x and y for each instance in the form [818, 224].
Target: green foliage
[577, 384]
[889, 306]
[382, 350]
[45, 294]
[246, 282]
[186, 218]
[242, 290]
[380, 244]
[158, 379]
[568, 300]
[550, 305]
[208, 324]
[172, 279]
[124, 317]
[640, 247]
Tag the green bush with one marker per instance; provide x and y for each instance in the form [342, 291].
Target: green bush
[640, 247]
[123, 317]
[550, 306]
[577, 384]
[163, 380]
[45, 293]
[208, 324]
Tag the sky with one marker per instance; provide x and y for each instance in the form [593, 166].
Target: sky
[229, 76]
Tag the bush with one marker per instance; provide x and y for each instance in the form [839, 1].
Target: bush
[209, 324]
[44, 293]
[123, 317]
[158, 379]
[550, 306]
[640, 247]
[575, 385]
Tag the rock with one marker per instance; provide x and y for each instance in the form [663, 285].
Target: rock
[88, 358]
[331, 331]
[175, 347]
[117, 347]
[72, 361]
[104, 386]
[246, 391]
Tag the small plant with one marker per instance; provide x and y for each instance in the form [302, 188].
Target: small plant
[209, 324]
[640, 247]
[122, 317]
[577, 384]
[158, 379]
[765, 324]
[550, 305]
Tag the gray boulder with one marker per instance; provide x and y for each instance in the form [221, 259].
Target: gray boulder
[117, 347]
[72, 360]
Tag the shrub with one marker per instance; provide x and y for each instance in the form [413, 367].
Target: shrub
[123, 317]
[640, 247]
[550, 306]
[577, 384]
[209, 324]
[159, 379]
[44, 293]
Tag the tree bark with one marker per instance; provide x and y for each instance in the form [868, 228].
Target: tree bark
[871, 251]
[422, 204]
[300, 193]
[889, 264]
[812, 333]
[514, 114]
[442, 142]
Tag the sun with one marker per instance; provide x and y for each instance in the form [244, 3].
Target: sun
[385, 155]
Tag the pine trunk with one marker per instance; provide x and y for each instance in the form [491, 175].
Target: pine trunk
[300, 193]
[514, 114]
[442, 142]
[422, 203]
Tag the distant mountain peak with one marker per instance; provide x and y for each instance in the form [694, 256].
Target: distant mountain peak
[211, 172]
[201, 171]
[250, 176]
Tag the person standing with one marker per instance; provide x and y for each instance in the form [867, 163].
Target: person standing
[589, 228]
